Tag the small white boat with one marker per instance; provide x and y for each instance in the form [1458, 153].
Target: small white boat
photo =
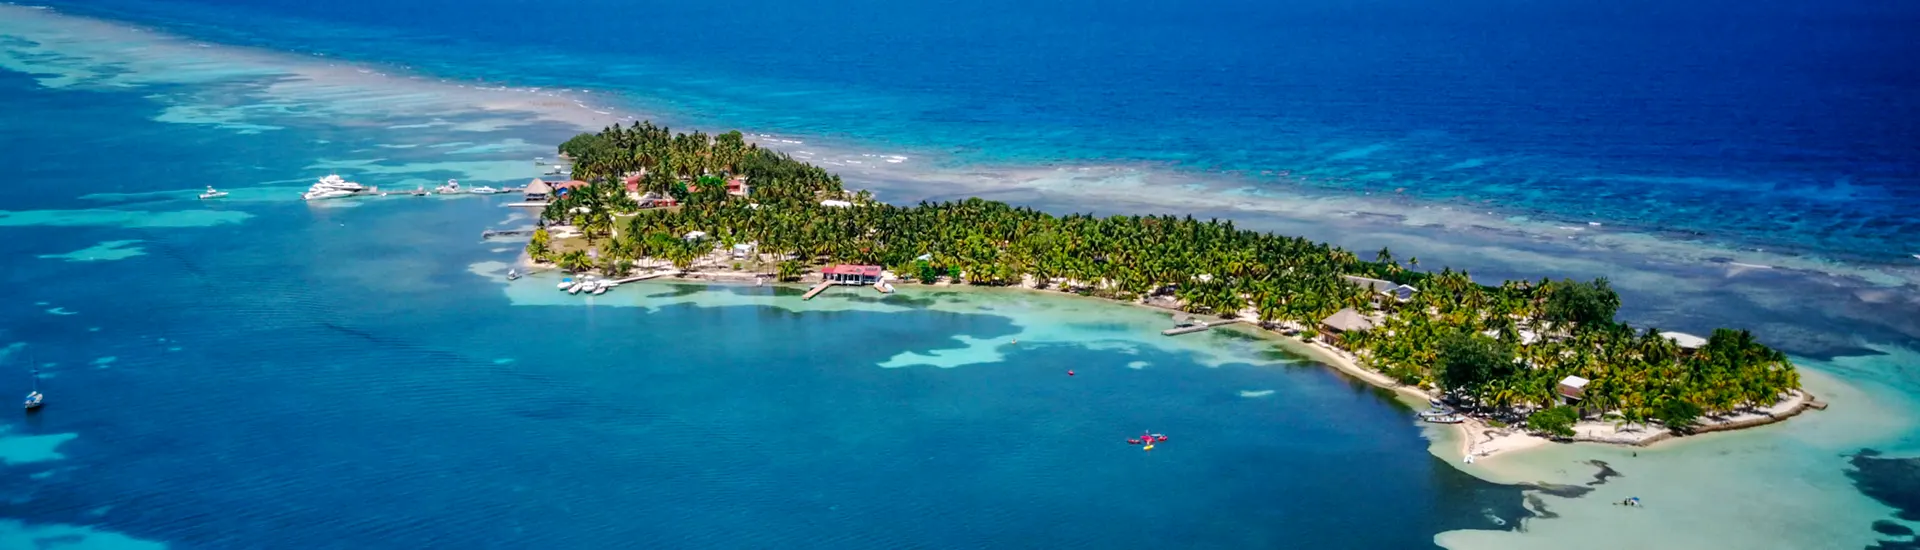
[482, 190]
[577, 287]
[511, 274]
[601, 288]
[212, 193]
[564, 283]
[1446, 419]
[452, 186]
[34, 398]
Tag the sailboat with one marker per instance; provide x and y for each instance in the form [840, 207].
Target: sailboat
[34, 398]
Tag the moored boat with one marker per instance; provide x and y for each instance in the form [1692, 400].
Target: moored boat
[212, 193]
[333, 187]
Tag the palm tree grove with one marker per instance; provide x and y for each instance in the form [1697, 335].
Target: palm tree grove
[1498, 350]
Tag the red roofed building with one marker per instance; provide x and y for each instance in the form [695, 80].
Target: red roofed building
[852, 274]
[736, 187]
[565, 187]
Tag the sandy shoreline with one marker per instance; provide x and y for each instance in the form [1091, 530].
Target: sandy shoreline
[1480, 439]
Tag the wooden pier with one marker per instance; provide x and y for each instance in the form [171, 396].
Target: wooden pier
[817, 289]
[1197, 326]
[643, 277]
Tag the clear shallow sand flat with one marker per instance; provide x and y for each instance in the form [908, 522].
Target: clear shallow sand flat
[324, 115]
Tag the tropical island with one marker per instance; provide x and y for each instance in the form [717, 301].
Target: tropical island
[1545, 358]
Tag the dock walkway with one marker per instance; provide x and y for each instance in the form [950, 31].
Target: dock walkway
[643, 277]
[817, 289]
[1197, 326]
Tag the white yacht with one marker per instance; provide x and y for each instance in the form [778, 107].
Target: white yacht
[212, 193]
[482, 190]
[332, 187]
[452, 186]
[564, 283]
[602, 287]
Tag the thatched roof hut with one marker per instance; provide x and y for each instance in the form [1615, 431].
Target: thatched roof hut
[1347, 320]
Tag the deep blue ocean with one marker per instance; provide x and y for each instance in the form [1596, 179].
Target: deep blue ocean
[1779, 124]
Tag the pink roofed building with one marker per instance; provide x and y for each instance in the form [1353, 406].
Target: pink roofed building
[851, 274]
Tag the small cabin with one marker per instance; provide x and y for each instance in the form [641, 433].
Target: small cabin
[851, 274]
[835, 203]
[1572, 389]
[743, 250]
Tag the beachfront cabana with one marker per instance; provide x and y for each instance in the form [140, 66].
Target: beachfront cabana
[1571, 389]
[1687, 342]
[1341, 322]
[744, 250]
[851, 274]
[538, 190]
[835, 203]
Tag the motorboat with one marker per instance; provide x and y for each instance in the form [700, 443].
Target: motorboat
[333, 187]
[511, 274]
[602, 287]
[564, 283]
[1445, 419]
[212, 193]
[452, 186]
[482, 190]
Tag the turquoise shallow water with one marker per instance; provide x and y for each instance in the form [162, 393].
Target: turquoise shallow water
[262, 373]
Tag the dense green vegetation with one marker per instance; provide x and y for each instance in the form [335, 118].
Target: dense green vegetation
[1502, 348]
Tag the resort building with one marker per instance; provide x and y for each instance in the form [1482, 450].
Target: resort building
[851, 274]
[561, 189]
[835, 203]
[539, 191]
[655, 199]
[1688, 343]
[1572, 389]
[744, 250]
[1344, 321]
[737, 186]
[1380, 287]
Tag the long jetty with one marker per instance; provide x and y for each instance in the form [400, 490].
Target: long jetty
[1197, 326]
[817, 289]
[644, 276]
